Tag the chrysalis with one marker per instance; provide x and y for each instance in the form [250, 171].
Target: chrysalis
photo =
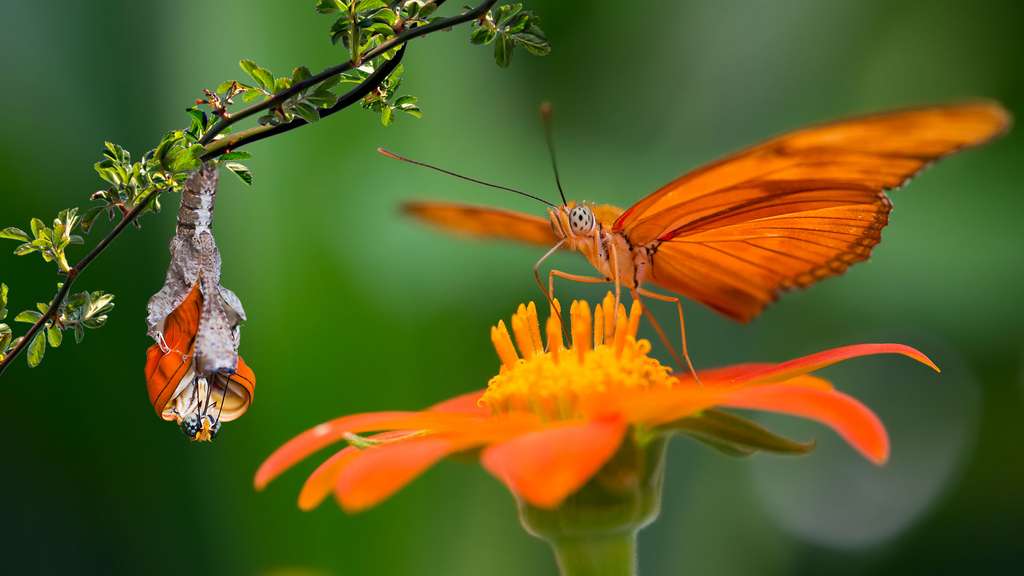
[194, 374]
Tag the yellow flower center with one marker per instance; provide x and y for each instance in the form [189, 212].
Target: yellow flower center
[605, 357]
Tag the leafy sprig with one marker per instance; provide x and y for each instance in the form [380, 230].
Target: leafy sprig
[508, 28]
[374, 33]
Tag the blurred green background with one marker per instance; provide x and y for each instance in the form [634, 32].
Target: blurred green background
[351, 308]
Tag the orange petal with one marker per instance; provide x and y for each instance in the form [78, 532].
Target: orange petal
[856, 423]
[379, 472]
[546, 466]
[322, 480]
[723, 375]
[653, 407]
[334, 431]
[798, 366]
[463, 404]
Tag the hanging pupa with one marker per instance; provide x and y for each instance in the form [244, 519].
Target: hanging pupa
[194, 374]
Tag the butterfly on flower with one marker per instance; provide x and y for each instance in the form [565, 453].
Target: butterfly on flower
[737, 232]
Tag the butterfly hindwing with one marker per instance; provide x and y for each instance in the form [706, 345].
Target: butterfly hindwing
[484, 222]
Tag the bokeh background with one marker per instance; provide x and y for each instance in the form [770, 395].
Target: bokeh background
[353, 308]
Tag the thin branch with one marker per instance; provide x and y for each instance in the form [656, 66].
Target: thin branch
[279, 98]
[256, 133]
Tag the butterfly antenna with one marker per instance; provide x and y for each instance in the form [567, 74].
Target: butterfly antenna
[545, 117]
[390, 154]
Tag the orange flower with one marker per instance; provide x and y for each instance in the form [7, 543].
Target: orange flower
[554, 417]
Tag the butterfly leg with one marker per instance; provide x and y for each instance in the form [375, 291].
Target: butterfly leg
[682, 326]
[536, 276]
[617, 278]
[573, 277]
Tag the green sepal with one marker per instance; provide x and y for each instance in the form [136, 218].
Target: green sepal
[734, 435]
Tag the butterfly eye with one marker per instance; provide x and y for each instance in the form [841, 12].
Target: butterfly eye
[191, 425]
[581, 219]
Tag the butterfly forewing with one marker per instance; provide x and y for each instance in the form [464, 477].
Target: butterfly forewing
[795, 209]
[877, 152]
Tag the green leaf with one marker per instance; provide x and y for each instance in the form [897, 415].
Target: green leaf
[387, 115]
[42, 307]
[306, 111]
[482, 35]
[28, 316]
[534, 43]
[79, 333]
[3, 301]
[299, 74]
[26, 248]
[5, 339]
[12, 233]
[240, 170]
[261, 75]
[38, 228]
[36, 349]
[503, 50]
[236, 155]
[54, 336]
[329, 6]
[89, 218]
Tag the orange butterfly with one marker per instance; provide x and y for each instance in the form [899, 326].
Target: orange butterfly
[735, 233]
[179, 392]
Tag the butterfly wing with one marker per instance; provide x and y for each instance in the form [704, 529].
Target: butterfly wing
[484, 222]
[169, 365]
[795, 209]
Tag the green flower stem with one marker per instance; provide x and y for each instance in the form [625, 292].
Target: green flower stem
[593, 532]
[610, 555]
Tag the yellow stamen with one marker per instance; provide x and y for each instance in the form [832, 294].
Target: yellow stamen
[635, 312]
[607, 358]
[534, 325]
[554, 330]
[521, 331]
[609, 317]
[581, 328]
[503, 345]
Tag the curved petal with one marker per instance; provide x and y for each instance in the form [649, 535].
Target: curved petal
[853, 421]
[798, 366]
[658, 406]
[377, 473]
[322, 480]
[546, 466]
[334, 431]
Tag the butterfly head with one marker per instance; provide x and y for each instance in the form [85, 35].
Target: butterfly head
[573, 221]
[200, 427]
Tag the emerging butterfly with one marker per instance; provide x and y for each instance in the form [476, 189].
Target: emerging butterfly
[735, 233]
[194, 373]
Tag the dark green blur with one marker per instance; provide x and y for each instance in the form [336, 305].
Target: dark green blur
[351, 308]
